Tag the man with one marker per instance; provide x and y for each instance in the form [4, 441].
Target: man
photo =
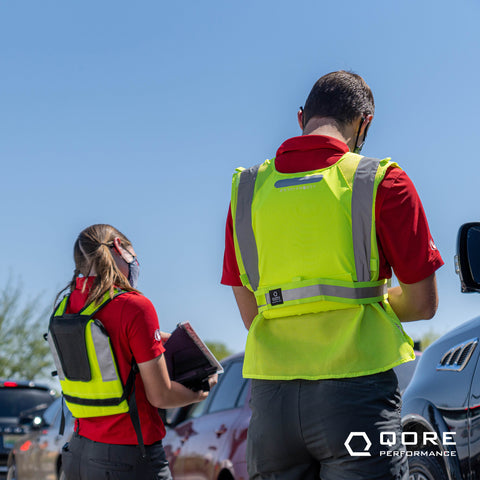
[312, 236]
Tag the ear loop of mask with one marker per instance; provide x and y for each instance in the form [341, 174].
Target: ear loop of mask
[358, 148]
[133, 268]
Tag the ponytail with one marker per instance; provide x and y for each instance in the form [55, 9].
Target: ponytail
[92, 253]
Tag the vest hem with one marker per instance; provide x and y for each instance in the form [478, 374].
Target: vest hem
[333, 376]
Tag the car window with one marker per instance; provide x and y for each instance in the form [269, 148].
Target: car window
[14, 401]
[243, 394]
[197, 410]
[229, 389]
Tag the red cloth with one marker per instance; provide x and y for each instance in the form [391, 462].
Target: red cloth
[131, 322]
[404, 240]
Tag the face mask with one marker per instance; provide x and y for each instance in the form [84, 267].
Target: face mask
[133, 272]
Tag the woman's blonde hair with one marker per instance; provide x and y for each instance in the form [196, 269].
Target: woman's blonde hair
[92, 253]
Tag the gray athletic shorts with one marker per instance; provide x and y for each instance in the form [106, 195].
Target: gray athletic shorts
[299, 428]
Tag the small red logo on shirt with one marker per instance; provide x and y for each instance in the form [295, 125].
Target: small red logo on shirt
[432, 244]
[158, 335]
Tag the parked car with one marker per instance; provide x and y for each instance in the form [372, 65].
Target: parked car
[443, 398]
[208, 440]
[37, 456]
[20, 402]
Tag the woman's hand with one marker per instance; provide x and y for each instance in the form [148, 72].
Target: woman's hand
[165, 336]
[212, 381]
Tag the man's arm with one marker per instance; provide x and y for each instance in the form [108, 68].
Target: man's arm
[246, 304]
[415, 301]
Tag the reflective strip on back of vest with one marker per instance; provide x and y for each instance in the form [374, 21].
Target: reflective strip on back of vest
[243, 224]
[362, 201]
[361, 291]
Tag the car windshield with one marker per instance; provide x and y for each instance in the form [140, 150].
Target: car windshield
[14, 401]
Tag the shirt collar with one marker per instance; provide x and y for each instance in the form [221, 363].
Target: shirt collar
[312, 142]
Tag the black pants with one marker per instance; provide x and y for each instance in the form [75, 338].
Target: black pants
[84, 459]
[299, 429]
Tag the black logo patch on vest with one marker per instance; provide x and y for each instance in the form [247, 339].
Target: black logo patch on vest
[276, 296]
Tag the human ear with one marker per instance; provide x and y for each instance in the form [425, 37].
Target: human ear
[300, 118]
[117, 244]
[366, 122]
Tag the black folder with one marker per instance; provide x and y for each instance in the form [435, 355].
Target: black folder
[189, 361]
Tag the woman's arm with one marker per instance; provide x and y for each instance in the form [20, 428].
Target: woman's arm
[164, 393]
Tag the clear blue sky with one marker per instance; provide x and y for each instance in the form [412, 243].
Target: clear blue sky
[137, 113]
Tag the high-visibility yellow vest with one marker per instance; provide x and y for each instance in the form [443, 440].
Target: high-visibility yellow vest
[306, 246]
[85, 362]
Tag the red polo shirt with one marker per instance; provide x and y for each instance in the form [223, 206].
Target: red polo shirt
[131, 321]
[404, 240]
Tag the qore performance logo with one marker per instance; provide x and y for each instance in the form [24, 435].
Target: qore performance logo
[389, 439]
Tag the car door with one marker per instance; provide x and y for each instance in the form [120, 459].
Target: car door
[210, 433]
[474, 423]
[37, 457]
[50, 444]
[28, 453]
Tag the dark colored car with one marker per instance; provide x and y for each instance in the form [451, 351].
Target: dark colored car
[37, 456]
[208, 441]
[441, 406]
[20, 402]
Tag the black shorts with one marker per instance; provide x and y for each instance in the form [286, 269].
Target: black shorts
[84, 459]
[299, 429]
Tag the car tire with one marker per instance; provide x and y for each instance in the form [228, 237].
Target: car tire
[426, 468]
[12, 472]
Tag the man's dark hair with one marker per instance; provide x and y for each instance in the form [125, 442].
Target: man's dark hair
[341, 95]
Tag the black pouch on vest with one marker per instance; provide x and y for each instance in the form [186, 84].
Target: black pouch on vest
[68, 334]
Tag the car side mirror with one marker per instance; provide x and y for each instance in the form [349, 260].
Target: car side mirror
[467, 260]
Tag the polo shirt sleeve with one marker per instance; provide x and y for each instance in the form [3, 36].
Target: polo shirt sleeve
[231, 273]
[402, 229]
[141, 324]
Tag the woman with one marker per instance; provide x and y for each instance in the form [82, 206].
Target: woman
[107, 447]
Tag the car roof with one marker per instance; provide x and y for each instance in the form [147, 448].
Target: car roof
[235, 356]
[6, 383]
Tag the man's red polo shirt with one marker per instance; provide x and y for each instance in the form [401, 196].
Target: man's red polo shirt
[404, 240]
[131, 322]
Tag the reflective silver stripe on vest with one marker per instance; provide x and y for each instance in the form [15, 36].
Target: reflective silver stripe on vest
[353, 293]
[243, 225]
[56, 359]
[103, 353]
[362, 204]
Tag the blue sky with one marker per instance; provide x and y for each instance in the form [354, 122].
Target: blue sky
[136, 114]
